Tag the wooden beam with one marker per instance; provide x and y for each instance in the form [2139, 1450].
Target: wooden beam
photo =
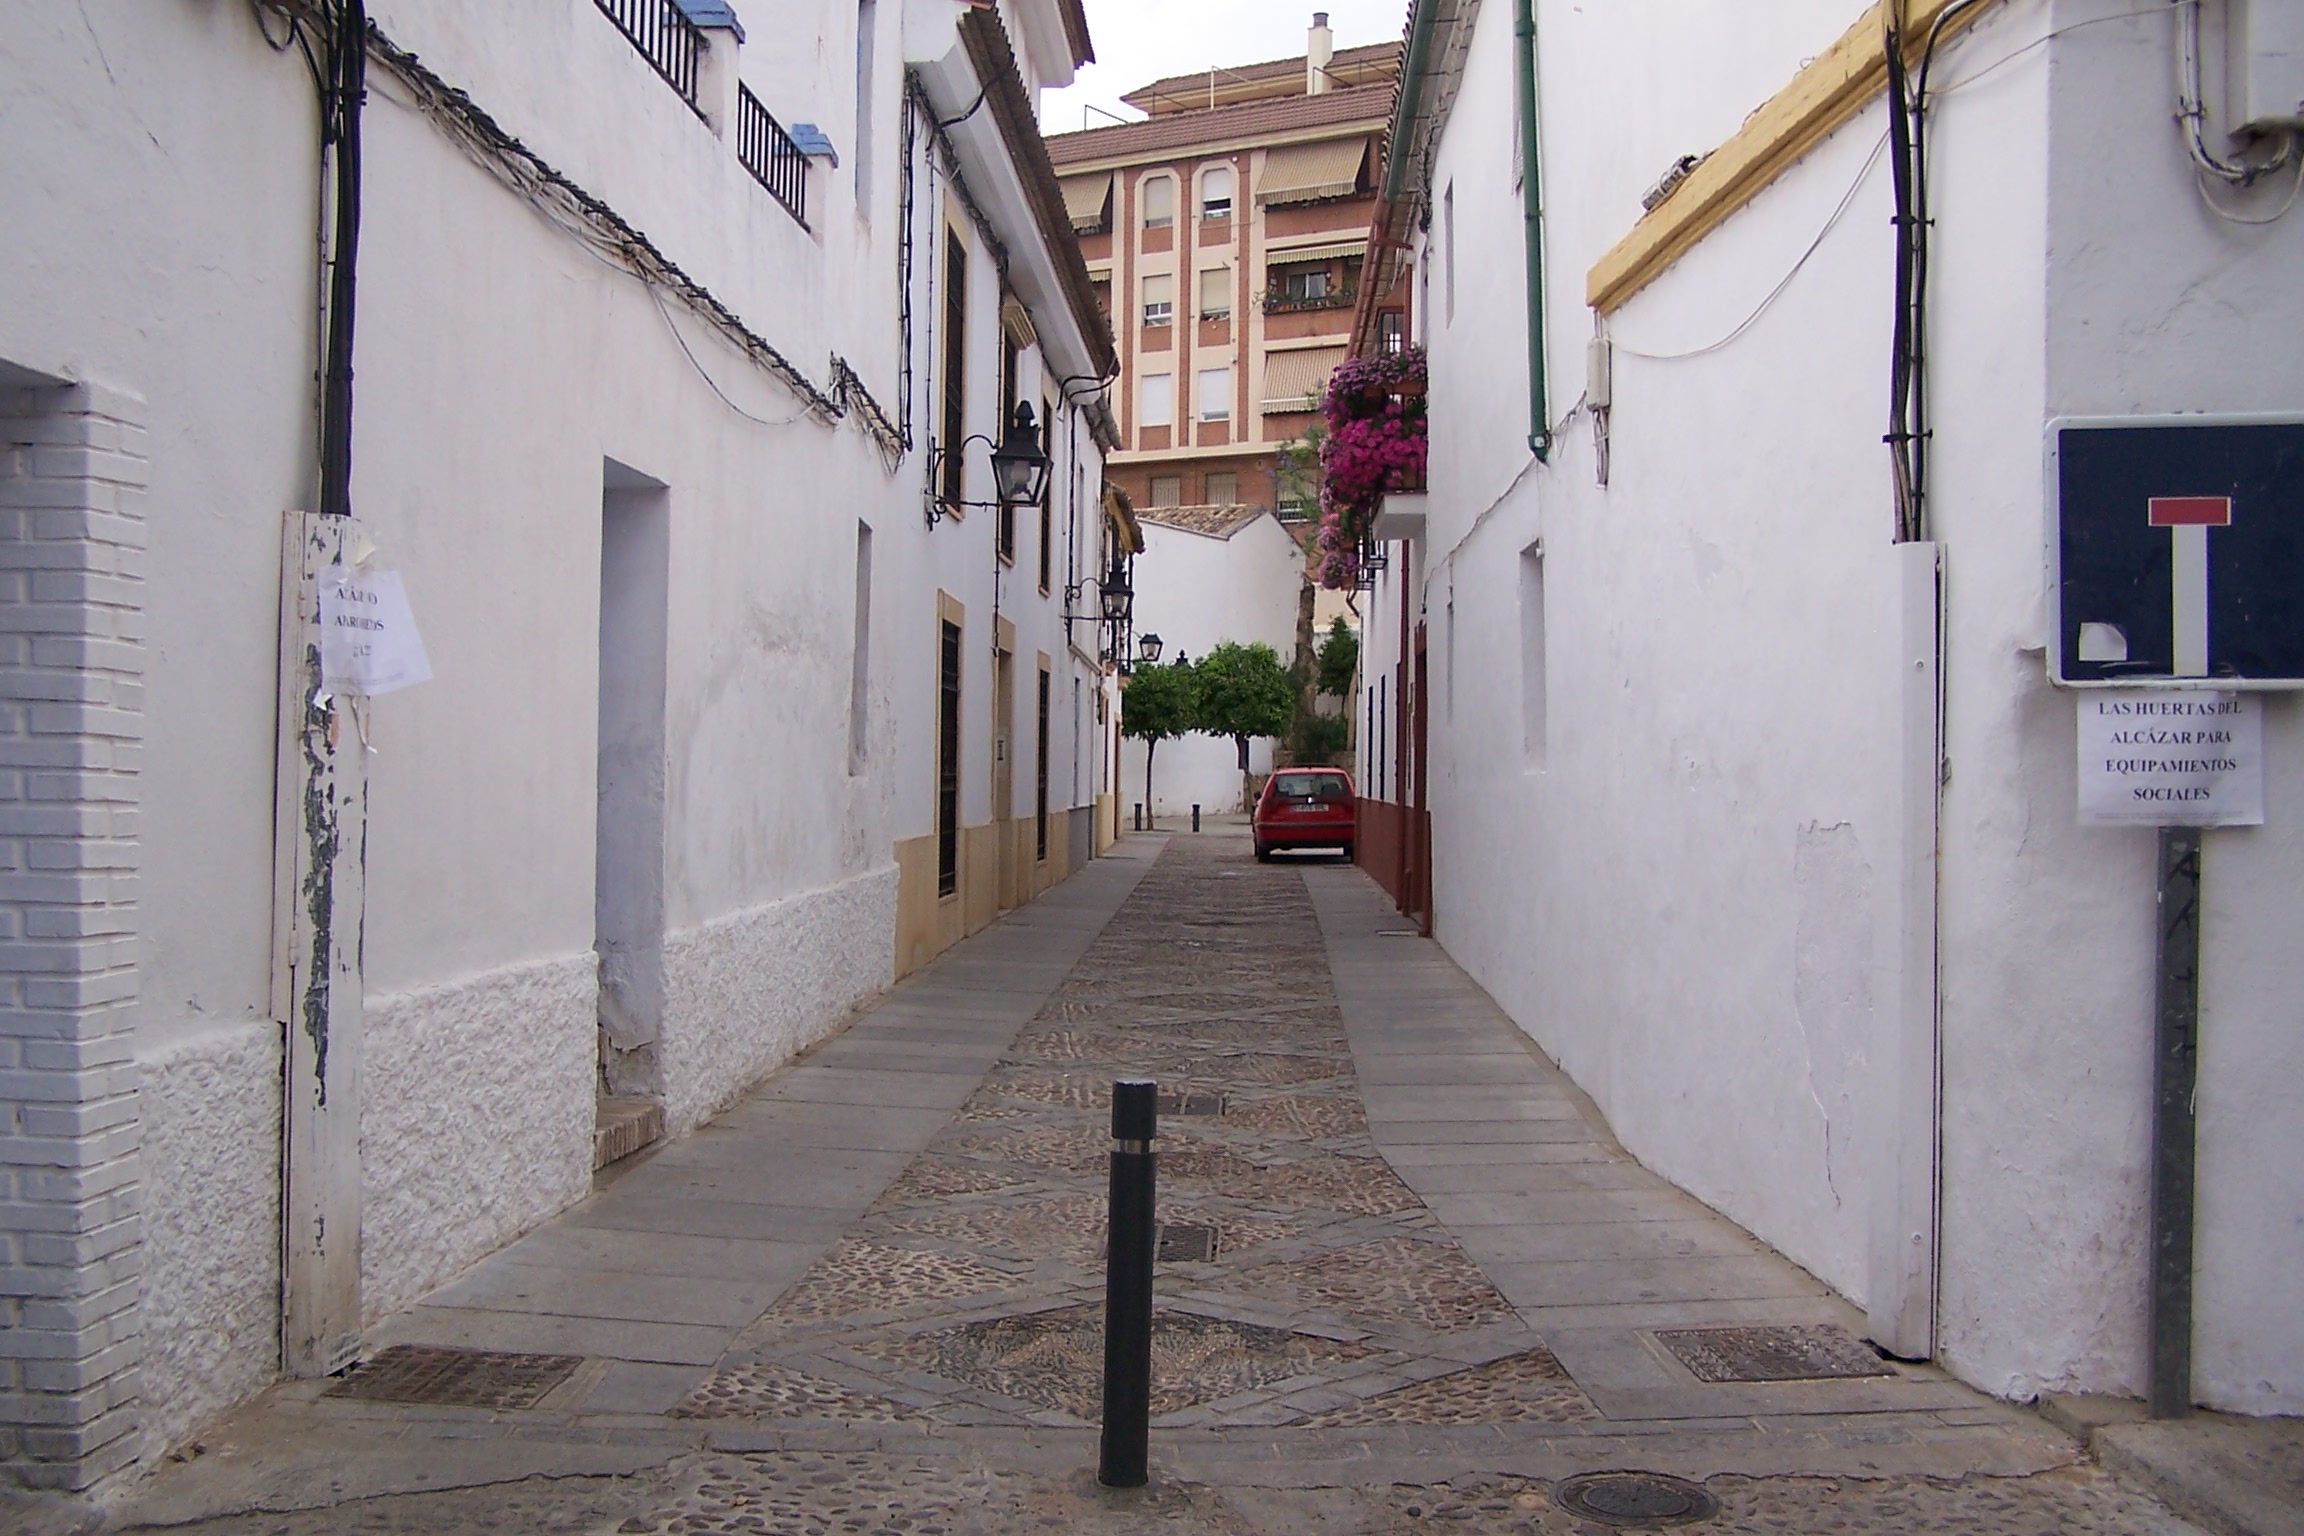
[1838, 84]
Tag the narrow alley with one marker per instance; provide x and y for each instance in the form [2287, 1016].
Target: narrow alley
[1406, 1279]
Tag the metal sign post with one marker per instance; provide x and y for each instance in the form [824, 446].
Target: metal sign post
[2170, 638]
[2174, 1060]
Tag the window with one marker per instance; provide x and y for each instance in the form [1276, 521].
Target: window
[1040, 775]
[1009, 359]
[1216, 193]
[1159, 299]
[860, 657]
[1159, 202]
[1047, 489]
[1224, 490]
[1302, 284]
[1156, 400]
[954, 490]
[1448, 248]
[1532, 731]
[867, 24]
[1391, 331]
[1214, 387]
[948, 762]
[1167, 490]
[1216, 293]
[1102, 288]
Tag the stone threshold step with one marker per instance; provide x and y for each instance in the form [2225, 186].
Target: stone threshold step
[621, 1126]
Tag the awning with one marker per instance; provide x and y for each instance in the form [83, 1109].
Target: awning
[1304, 173]
[1088, 199]
[1357, 246]
[1293, 378]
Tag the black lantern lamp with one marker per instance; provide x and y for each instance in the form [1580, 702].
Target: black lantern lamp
[1117, 597]
[1020, 464]
[1148, 647]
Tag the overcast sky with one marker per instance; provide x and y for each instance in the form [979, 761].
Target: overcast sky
[1138, 41]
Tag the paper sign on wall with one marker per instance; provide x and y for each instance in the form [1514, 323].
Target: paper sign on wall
[2172, 758]
[368, 639]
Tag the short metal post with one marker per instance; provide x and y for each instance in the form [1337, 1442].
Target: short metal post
[1195, 815]
[1125, 1458]
[1139, 815]
[2175, 1057]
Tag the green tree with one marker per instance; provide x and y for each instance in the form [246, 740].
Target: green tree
[1156, 703]
[1244, 691]
[1339, 659]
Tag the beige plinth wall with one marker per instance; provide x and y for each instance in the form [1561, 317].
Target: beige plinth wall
[928, 924]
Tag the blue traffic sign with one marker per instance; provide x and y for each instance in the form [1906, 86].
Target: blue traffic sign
[2176, 551]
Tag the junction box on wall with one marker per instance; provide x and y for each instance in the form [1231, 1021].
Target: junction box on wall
[2265, 50]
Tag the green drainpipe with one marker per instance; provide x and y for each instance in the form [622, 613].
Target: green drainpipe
[1531, 225]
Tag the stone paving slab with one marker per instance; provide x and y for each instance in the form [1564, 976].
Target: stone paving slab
[1427, 1301]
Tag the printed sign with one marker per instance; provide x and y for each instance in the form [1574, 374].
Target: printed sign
[368, 639]
[2172, 758]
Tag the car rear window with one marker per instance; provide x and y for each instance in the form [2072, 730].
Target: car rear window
[1315, 786]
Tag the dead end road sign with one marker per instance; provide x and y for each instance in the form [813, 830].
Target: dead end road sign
[2176, 551]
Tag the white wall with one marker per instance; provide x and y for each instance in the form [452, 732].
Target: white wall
[502, 363]
[1195, 592]
[1687, 897]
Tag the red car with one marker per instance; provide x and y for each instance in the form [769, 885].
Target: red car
[1306, 808]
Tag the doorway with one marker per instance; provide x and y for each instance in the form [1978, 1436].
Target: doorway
[628, 864]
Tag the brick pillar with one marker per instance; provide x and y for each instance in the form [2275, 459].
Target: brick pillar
[72, 473]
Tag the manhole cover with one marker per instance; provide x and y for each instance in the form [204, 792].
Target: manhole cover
[1635, 1499]
[1186, 1244]
[1191, 1103]
[1772, 1354]
[458, 1378]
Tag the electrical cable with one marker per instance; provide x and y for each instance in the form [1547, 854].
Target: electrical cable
[1839, 211]
[710, 383]
[2200, 184]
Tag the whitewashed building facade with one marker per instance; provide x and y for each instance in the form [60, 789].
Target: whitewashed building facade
[662, 344]
[1868, 987]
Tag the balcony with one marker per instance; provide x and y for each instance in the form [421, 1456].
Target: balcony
[1294, 303]
[671, 43]
[771, 155]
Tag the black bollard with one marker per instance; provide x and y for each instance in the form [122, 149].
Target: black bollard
[1128, 1289]
[1139, 815]
[1195, 815]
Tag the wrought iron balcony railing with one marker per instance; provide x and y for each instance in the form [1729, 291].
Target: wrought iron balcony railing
[671, 43]
[769, 153]
[1336, 298]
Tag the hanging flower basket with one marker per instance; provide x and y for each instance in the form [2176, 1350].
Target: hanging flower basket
[1375, 446]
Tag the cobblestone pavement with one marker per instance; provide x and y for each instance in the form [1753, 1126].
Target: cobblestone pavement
[1330, 1358]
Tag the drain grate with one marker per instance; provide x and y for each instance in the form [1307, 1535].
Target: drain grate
[1772, 1354]
[456, 1378]
[1191, 1103]
[1185, 1244]
[1635, 1499]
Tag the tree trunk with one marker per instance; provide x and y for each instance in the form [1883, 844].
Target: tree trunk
[1246, 804]
[1307, 663]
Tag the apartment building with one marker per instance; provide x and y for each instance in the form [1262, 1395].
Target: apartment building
[1225, 234]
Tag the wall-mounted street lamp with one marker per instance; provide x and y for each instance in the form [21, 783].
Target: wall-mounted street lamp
[1149, 648]
[1019, 466]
